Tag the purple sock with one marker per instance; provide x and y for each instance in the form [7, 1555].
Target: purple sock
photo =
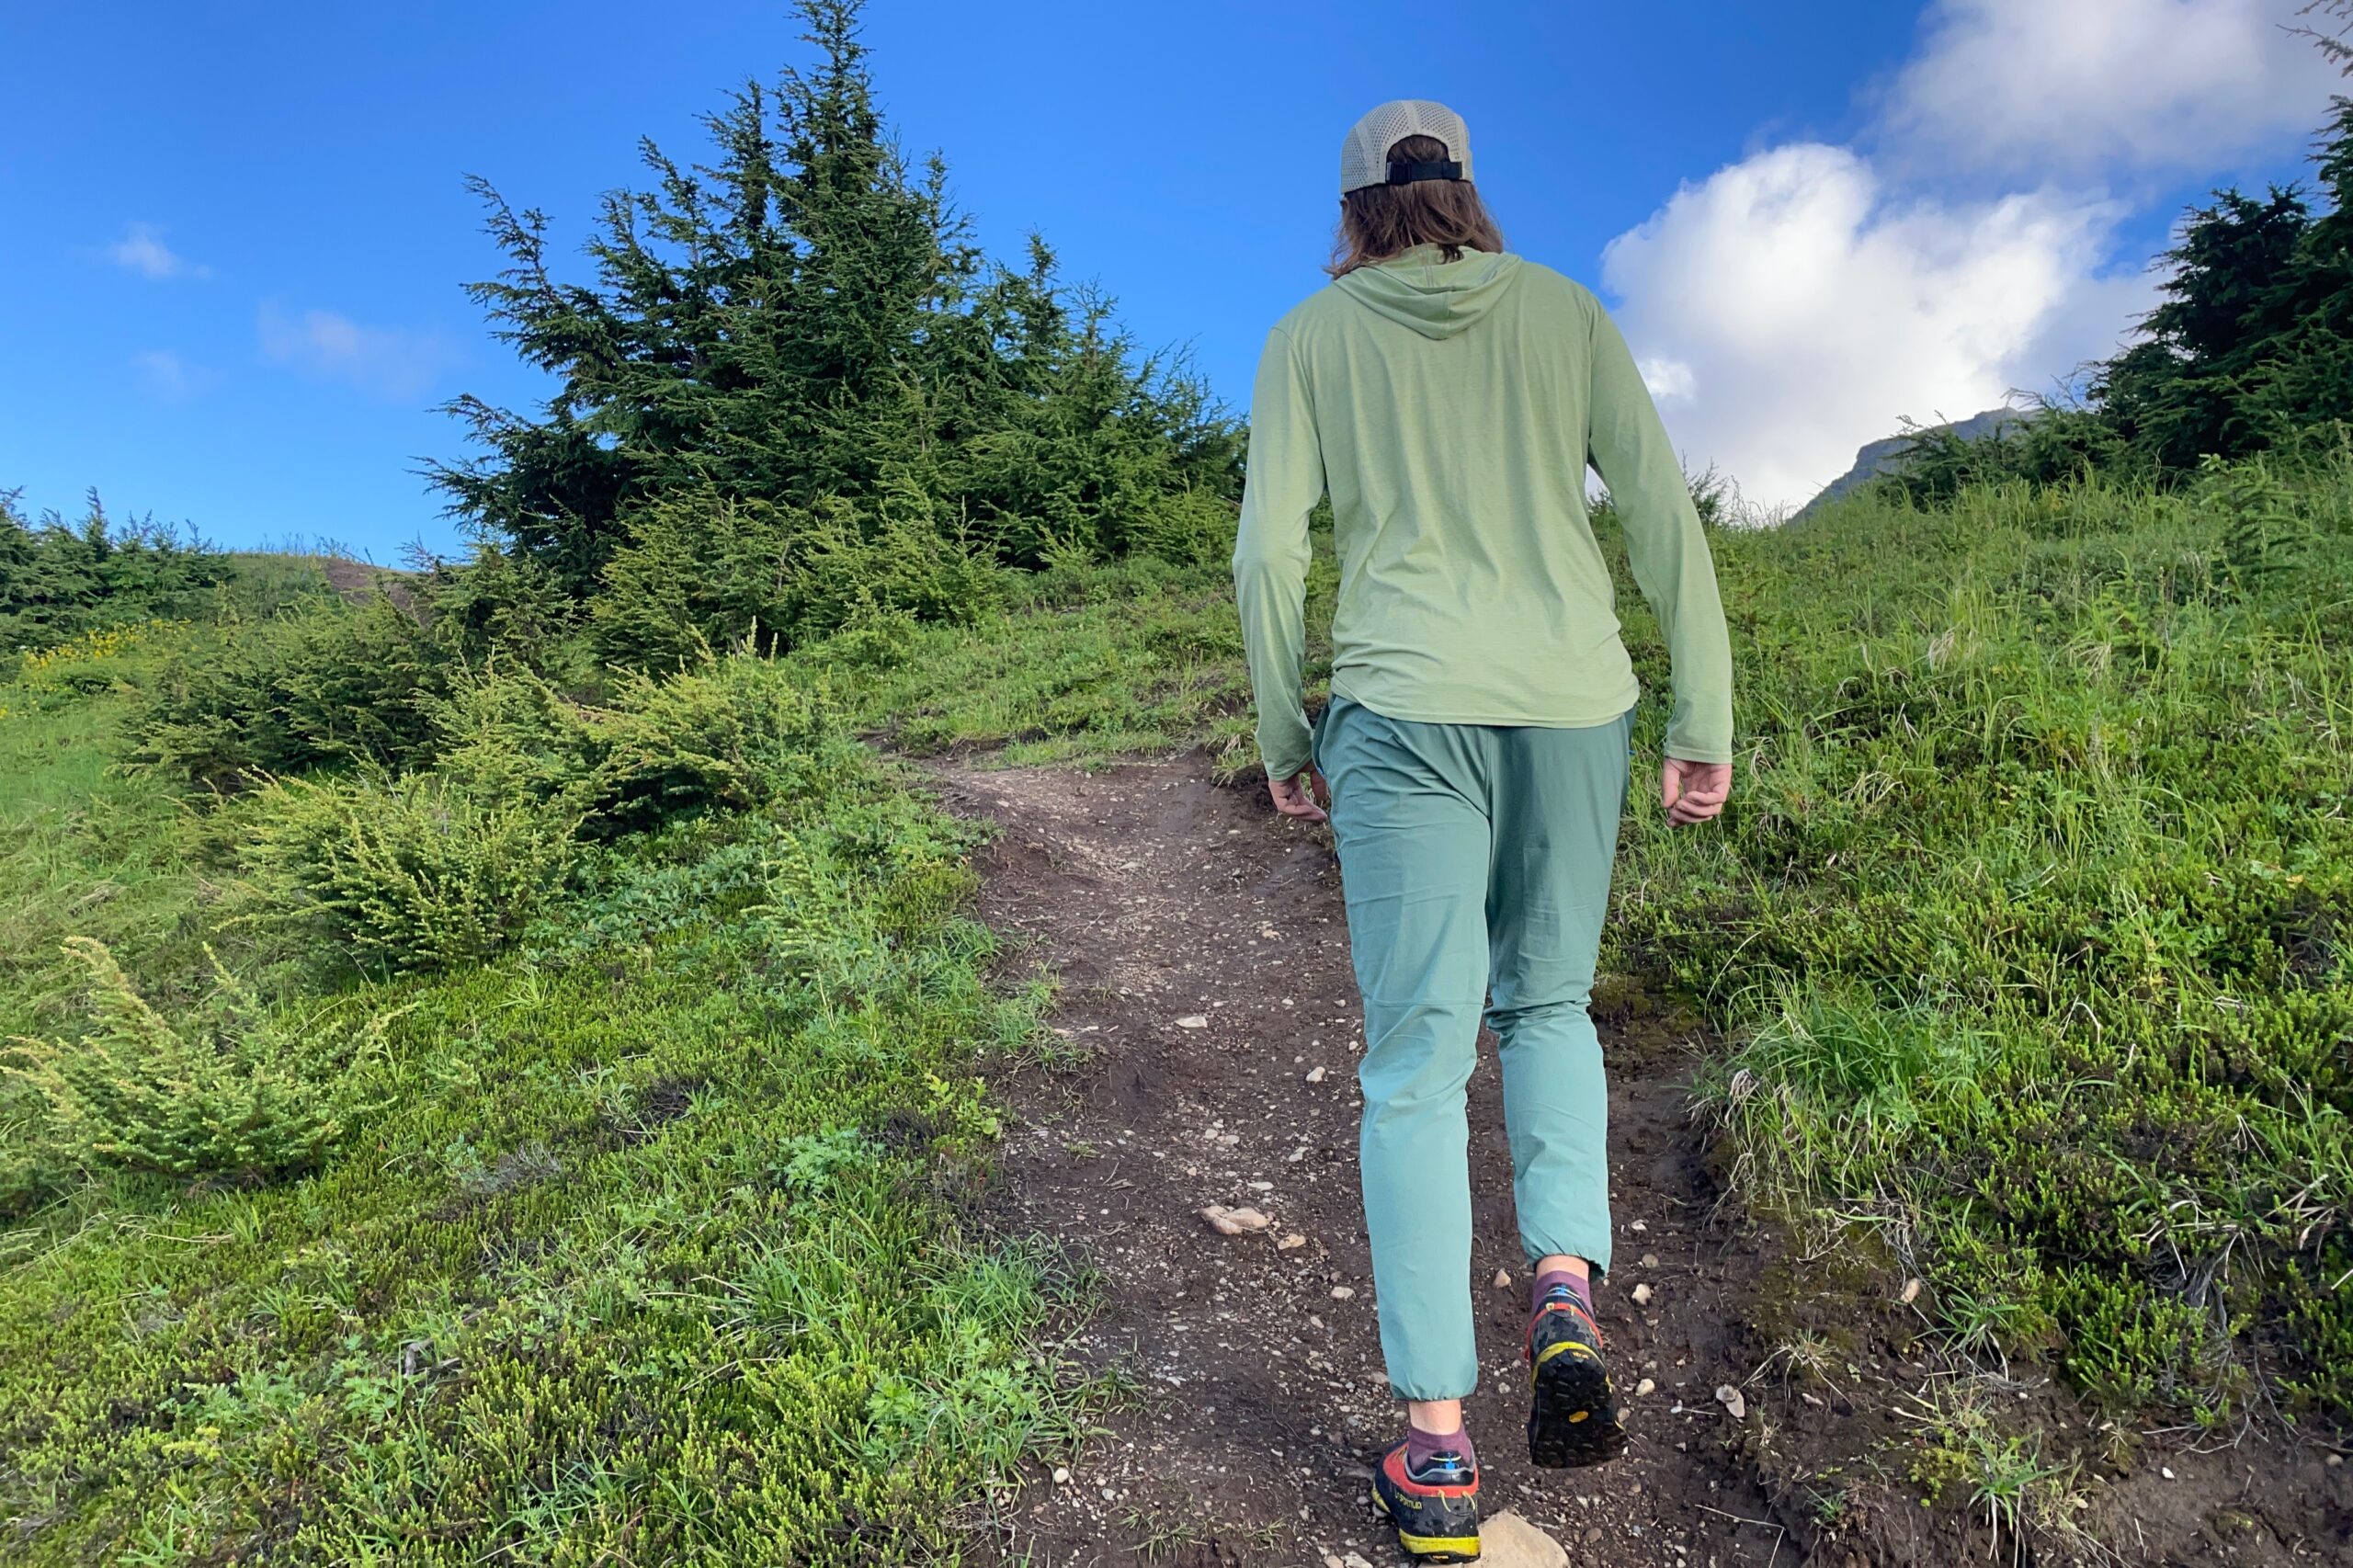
[1578, 1286]
[1423, 1447]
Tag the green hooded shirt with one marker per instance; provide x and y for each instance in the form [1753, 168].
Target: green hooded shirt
[1451, 409]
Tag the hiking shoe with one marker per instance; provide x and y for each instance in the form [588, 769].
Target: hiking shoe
[1573, 1415]
[1435, 1509]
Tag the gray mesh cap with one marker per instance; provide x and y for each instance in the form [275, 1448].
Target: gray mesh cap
[1364, 156]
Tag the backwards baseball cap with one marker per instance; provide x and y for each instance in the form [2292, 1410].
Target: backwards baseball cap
[1364, 156]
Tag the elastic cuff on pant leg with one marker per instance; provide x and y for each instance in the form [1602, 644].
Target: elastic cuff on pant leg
[1398, 1392]
[1595, 1250]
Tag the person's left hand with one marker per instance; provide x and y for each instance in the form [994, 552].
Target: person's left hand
[1303, 795]
[1693, 791]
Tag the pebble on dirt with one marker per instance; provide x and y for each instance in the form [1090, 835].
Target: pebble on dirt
[1233, 1221]
[1342, 1294]
[1509, 1542]
[1502, 1279]
[1643, 1294]
[1315, 1075]
[1730, 1398]
[1291, 1241]
[1192, 1021]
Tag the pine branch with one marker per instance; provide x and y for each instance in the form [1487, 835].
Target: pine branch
[2335, 42]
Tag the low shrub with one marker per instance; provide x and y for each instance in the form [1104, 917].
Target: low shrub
[733, 734]
[235, 1093]
[703, 570]
[502, 731]
[448, 864]
[1186, 527]
[326, 683]
[418, 872]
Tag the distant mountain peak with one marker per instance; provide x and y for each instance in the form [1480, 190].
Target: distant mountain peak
[1886, 455]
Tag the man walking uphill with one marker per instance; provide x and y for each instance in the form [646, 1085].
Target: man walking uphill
[1448, 395]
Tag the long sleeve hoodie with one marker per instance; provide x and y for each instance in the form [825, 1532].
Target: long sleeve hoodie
[1451, 409]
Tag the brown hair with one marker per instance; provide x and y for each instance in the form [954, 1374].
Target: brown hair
[1378, 222]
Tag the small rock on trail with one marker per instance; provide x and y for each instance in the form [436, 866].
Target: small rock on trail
[1506, 1540]
[1235, 1222]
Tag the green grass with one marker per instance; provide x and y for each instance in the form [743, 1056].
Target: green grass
[2033, 920]
[2027, 928]
[1084, 664]
[652, 1249]
[83, 850]
[2029, 921]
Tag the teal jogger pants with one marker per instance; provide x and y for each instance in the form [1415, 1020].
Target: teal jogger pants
[1475, 859]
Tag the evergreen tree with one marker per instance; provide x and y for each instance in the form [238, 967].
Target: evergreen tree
[57, 578]
[2252, 346]
[2332, 33]
[2181, 392]
[801, 346]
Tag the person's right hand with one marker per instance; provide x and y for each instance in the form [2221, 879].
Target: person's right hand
[1693, 791]
[1303, 795]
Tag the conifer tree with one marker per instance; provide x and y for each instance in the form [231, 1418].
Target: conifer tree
[2252, 344]
[59, 578]
[797, 351]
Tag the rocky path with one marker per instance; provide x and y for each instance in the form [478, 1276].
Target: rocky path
[1208, 1004]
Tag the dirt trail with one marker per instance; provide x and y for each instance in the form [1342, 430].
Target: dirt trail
[1162, 901]
[1207, 996]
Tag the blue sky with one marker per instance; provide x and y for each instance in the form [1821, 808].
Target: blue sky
[237, 234]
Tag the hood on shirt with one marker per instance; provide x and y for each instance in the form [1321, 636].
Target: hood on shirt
[1436, 299]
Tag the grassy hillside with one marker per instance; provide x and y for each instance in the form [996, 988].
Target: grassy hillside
[2030, 915]
[601, 1194]
[2035, 922]
[637, 1241]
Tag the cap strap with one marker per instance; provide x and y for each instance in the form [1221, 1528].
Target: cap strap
[1402, 173]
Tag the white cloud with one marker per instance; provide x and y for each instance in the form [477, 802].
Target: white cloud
[385, 362]
[1805, 301]
[168, 375]
[1788, 310]
[2068, 86]
[1670, 380]
[141, 250]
